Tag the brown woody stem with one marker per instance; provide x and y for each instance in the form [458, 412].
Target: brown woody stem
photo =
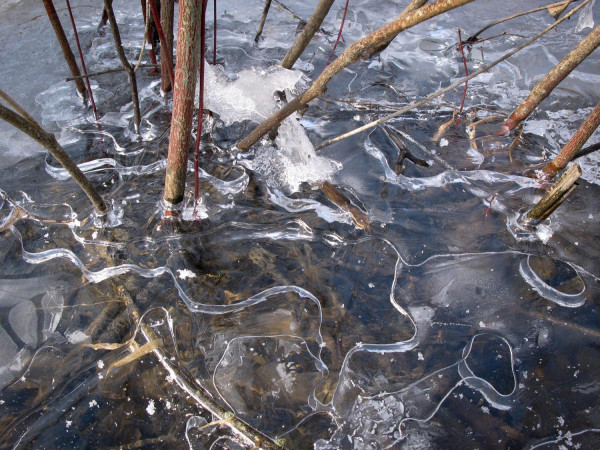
[571, 148]
[48, 141]
[554, 77]
[128, 67]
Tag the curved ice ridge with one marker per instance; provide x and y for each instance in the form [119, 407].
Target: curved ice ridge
[548, 292]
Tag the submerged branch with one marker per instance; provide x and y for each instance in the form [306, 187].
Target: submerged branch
[353, 53]
[194, 390]
[442, 91]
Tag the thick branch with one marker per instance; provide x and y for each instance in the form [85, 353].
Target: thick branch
[48, 141]
[350, 55]
[128, 67]
[307, 34]
[474, 37]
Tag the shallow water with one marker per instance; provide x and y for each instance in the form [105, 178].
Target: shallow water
[441, 324]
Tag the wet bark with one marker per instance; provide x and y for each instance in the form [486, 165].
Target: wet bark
[188, 46]
[128, 67]
[167, 11]
[554, 197]
[48, 141]
[554, 77]
[352, 54]
[307, 34]
[571, 149]
[65, 47]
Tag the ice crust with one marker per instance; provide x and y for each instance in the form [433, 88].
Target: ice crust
[291, 159]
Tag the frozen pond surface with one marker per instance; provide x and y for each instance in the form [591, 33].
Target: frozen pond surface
[441, 324]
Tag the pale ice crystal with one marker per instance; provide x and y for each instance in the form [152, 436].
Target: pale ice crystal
[250, 96]
[185, 273]
[151, 409]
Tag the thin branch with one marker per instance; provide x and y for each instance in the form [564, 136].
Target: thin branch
[587, 150]
[474, 39]
[128, 67]
[65, 47]
[558, 73]
[442, 91]
[83, 68]
[162, 37]
[462, 52]
[339, 33]
[263, 19]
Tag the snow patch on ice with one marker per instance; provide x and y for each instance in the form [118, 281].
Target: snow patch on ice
[185, 273]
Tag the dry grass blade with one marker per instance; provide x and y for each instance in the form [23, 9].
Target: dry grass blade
[148, 347]
[444, 127]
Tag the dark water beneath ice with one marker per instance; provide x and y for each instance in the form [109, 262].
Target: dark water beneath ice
[442, 325]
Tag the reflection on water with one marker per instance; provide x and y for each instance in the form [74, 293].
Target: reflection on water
[441, 322]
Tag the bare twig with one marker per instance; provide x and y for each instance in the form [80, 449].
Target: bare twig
[27, 125]
[442, 91]
[474, 39]
[554, 77]
[339, 34]
[163, 40]
[128, 67]
[167, 12]
[263, 19]
[462, 52]
[83, 68]
[108, 71]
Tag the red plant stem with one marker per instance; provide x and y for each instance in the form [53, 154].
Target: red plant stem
[200, 99]
[161, 36]
[83, 68]
[462, 103]
[215, 33]
[339, 34]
